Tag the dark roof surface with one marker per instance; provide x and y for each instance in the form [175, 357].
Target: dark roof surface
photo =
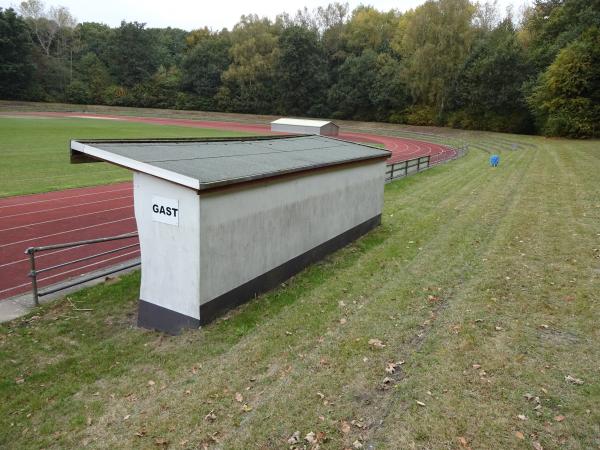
[202, 164]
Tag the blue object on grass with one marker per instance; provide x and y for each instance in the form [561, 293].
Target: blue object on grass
[494, 160]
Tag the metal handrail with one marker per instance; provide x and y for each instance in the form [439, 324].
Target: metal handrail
[31, 251]
[421, 163]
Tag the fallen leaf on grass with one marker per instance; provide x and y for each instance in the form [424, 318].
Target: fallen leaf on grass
[522, 417]
[161, 442]
[391, 367]
[20, 380]
[311, 438]
[211, 416]
[343, 321]
[246, 407]
[519, 435]
[376, 343]
[357, 444]
[239, 397]
[559, 418]
[127, 417]
[88, 421]
[358, 423]
[151, 383]
[294, 438]
[537, 445]
[463, 442]
[420, 403]
[345, 427]
[573, 380]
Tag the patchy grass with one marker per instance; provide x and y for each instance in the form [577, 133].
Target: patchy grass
[35, 151]
[484, 282]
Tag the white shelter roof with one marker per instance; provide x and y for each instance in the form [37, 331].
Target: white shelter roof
[302, 122]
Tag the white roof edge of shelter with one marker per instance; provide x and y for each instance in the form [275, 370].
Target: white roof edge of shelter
[302, 122]
[136, 165]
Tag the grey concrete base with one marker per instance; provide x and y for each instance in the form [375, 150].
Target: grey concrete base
[156, 317]
[18, 306]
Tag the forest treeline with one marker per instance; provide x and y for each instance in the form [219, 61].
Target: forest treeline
[447, 62]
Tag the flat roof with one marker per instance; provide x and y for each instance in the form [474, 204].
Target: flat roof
[208, 163]
[302, 122]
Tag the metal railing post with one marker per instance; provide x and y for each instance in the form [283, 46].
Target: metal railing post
[33, 275]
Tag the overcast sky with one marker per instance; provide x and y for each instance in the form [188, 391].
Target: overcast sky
[215, 14]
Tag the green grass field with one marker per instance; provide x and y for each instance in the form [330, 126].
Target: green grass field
[482, 284]
[35, 151]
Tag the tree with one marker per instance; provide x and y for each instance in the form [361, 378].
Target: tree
[248, 82]
[436, 40]
[550, 25]
[566, 99]
[300, 72]
[202, 66]
[489, 93]
[16, 67]
[132, 54]
[49, 26]
[94, 74]
[370, 29]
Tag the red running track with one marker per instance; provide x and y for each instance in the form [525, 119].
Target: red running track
[89, 213]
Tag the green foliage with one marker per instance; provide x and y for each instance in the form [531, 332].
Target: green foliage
[248, 83]
[202, 67]
[447, 62]
[132, 54]
[490, 83]
[370, 29]
[78, 92]
[566, 99]
[437, 41]
[300, 72]
[368, 87]
[550, 25]
[92, 72]
[16, 67]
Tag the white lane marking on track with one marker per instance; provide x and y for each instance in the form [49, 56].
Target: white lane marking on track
[65, 232]
[64, 218]
[65, 198]
[68, 206]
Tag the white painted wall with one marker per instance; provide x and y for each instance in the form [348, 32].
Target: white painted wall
[251, 229]
[326, 130]
[170, 253]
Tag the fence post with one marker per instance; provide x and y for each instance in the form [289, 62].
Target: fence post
[33, 275]
[428, 160]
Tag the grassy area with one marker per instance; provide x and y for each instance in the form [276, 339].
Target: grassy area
[35, 153]
[483, 283]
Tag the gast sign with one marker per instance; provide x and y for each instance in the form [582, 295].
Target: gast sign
[165, 210]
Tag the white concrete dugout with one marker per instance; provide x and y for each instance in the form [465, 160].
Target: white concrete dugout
[222, 220]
